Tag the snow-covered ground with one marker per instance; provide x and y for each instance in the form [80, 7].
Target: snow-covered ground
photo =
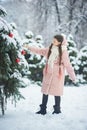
[23, 117]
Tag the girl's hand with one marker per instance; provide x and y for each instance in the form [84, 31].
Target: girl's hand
[25, 45]
[75, 81]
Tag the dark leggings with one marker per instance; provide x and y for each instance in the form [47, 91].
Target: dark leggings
[57, 100]
[45, 100]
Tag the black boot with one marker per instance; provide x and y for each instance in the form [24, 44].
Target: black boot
[56, 110]
[57, 105]
[42, 110]
[43, 105]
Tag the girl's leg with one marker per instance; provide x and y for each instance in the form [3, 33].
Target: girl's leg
[43, 106]
[57, 100]
[57, 105]
[44, 99]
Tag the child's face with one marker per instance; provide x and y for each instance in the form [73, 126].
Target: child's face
[55, 42]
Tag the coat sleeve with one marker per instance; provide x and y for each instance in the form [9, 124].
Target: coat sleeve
[38, 50]
[68, 66]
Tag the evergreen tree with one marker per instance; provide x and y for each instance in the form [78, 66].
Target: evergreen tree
[12, 61]
[36, 62]
[82, 63]
[73, 53]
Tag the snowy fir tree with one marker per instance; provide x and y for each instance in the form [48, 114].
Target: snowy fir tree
[12, 61]
[36, 62]
[73, 53]
[82, 63]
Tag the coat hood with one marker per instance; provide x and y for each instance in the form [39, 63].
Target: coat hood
[64, 40]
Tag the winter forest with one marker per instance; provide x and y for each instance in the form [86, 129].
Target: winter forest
[35, 22]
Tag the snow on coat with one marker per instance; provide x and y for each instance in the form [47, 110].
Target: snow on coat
[53, 81]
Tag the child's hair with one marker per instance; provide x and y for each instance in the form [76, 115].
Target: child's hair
[59, 38]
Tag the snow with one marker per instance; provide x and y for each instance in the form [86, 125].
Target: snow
[3, 24]
[29, 34]
[39, 37]
[23, 117]
[3, 10]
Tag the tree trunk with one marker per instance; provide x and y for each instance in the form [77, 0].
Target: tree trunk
[57, 10]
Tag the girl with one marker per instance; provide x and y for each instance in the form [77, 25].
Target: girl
[54, 71]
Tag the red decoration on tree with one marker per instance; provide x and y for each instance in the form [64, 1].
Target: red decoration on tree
[23, 52]
[17, 60]
[11, 35]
